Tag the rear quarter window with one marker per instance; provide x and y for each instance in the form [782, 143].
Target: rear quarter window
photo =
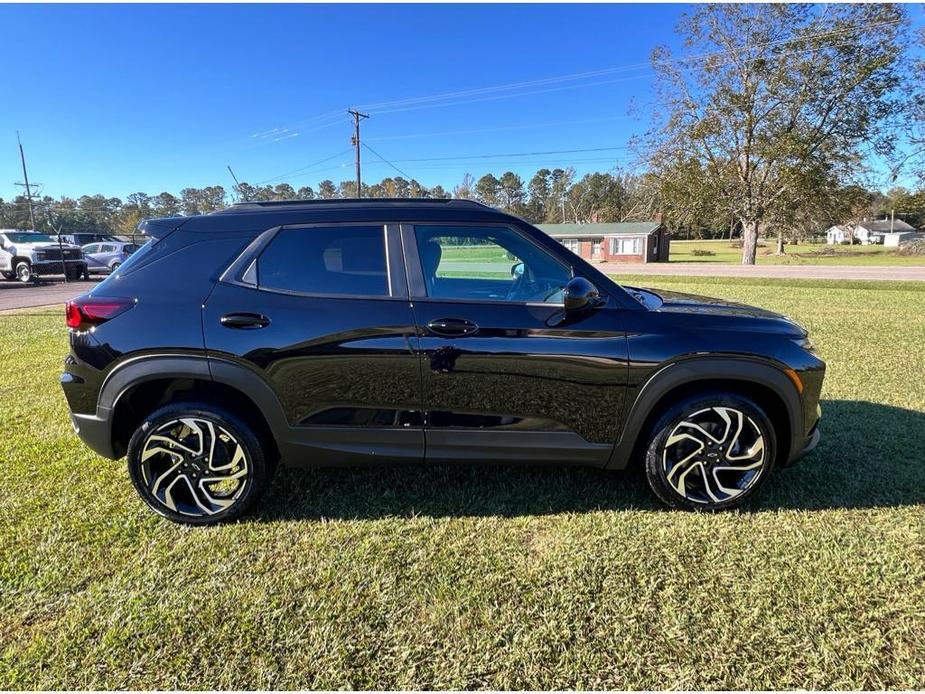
[348, 261]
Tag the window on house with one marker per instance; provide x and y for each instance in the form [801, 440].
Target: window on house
[574, 245]
[631, 246]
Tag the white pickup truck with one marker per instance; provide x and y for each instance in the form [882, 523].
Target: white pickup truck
[25, 255]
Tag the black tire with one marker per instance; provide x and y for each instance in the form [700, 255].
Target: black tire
[8, 275]
[72, 272]
[114, 267]
[705, 451]
[197, 470]
[23, 271]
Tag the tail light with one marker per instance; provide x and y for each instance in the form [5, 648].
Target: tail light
[86, 312]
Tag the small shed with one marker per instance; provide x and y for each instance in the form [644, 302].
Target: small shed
[614, 242]
[898, 238]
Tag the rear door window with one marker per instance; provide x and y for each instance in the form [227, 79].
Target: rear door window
[337, 260]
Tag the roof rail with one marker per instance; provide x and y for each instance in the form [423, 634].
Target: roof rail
[275, 204]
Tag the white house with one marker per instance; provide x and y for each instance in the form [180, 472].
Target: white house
[866, 232]
[838, 234]
[874, 232]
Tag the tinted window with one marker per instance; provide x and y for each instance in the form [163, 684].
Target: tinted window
[326, 260]
[488, 263]
[107, 248]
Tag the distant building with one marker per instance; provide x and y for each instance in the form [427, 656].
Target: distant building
[898, 238]
[866, 232]
[838, 234]
[613, 242]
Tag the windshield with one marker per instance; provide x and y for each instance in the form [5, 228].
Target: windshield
[27, 237]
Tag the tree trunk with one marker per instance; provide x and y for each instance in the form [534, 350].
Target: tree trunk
[749, 241]
[780, 243]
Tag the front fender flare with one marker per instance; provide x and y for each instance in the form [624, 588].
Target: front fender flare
[703, 370]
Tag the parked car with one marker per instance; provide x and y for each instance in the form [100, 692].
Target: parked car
[82, 238]
[107, 257]
[331, 333]
[24, 255]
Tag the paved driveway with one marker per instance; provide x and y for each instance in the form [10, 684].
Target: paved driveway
[833, 272]
[18, 295]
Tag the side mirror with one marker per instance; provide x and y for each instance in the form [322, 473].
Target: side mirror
[580, 294]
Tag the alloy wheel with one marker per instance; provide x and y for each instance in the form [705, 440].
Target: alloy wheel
[714, 455]
[194, 467]
[23, 272]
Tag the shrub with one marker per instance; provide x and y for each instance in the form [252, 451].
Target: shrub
[912, 248]
[700, 252]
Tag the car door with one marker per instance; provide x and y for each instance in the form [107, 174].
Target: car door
[506, 374]
[91, 254]
[322, 313]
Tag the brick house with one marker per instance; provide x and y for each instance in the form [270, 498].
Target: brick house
[613, 242]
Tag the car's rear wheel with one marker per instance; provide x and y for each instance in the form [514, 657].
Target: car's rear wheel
[710, 452]
[114, 267]
[196, 463]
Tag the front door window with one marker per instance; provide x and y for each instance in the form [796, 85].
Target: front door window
[488, 264]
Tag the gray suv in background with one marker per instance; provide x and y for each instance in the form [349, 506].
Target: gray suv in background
[107, 256]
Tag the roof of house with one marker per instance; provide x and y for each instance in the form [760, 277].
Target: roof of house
[576, 231]
[883, 225]
[906, 232]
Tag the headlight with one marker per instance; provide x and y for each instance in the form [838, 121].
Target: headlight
[805, 343]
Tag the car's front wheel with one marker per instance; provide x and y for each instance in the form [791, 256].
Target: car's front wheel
[24, 271]
[195, 463]
[710, 452]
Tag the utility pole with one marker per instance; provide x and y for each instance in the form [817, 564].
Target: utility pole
[355, 141]
[22, 158]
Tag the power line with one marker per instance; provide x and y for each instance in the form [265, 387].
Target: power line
[520, 154]
[302, 169]
[387, 161]
[611, 70]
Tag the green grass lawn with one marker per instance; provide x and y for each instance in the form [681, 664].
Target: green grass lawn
[681, 251]
[477, 577]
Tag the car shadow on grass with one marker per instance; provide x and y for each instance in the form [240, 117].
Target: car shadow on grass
[870, 456]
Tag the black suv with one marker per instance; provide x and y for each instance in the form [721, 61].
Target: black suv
[332, 333]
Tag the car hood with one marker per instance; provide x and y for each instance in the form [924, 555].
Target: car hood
[44, 245]
[707, 307]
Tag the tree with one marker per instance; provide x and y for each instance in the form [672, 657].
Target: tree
[439, 193]
[778, 92]
[327, 190]
[488, 190]
[539, 191]
[511, 192]
[466, 189]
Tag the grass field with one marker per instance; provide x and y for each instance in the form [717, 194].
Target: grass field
[475, 577]
[682, 251]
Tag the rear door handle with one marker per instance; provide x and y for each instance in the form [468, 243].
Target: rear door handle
[452, 327]
[245, 321]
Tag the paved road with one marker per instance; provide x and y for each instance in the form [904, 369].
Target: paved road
[833, 272]
[18, 295]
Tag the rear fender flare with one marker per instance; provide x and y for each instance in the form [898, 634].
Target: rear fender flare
[151, 367]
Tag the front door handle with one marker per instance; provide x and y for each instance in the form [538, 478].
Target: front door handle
[452, 327]
[245, 321]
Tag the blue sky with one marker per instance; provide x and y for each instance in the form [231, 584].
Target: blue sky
[118, 99]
